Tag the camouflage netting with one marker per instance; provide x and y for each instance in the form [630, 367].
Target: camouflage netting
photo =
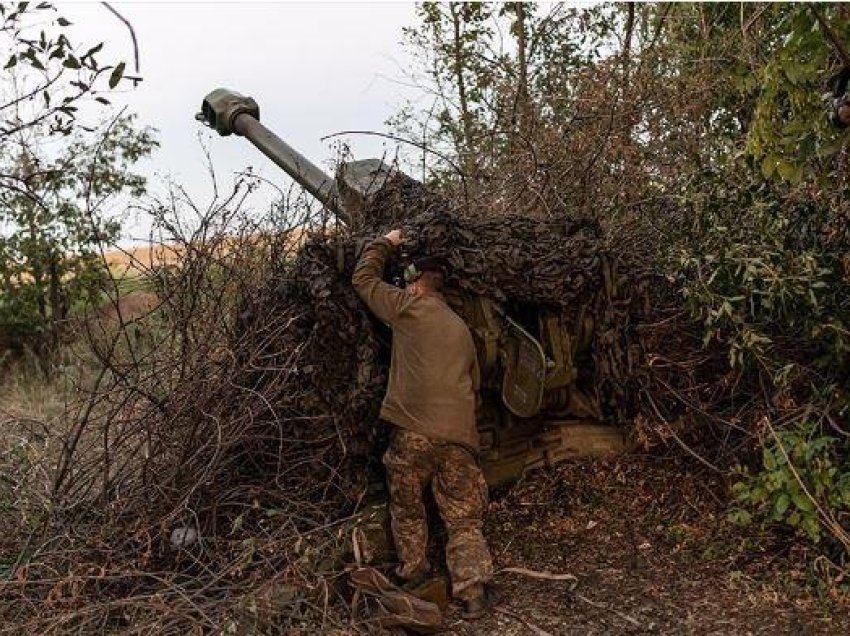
[507, 257]
[334, 353]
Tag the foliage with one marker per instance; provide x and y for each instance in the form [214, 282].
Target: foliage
[804, 475]
[791, 134]
[49, 255]
[47, 78]
[453, 37]
[58, 173]
[760, 276]
[767, 282]
[489, 72]
[683, 130]
[697, 134]
[762, 265]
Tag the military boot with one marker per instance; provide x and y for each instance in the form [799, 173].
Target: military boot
[475, 603]
[416, 578]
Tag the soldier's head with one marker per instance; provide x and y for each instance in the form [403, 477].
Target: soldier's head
[426, 275]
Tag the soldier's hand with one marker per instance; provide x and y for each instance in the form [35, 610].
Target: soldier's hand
[394, 237]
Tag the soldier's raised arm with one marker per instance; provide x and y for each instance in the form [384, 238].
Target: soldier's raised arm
[386, 301]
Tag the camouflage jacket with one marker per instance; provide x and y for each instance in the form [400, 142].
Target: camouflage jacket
[434, 370]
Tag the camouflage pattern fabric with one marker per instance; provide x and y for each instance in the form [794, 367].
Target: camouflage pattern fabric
[413, 462]
[378, 601]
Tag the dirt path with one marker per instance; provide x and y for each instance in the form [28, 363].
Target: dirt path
[649, 558]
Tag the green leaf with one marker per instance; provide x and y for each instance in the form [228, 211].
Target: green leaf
[787, 170]
[12, 61]
[781, 505]
[117, 74]
[802, 501]
[812, 528]
[63, 22]
[71, 62]
[768, 166]
[92, 50]
[740, 489]
[769, 460]
[740, 517]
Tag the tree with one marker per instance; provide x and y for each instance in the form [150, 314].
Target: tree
[504, 80]
[59, 169]
[451, 42]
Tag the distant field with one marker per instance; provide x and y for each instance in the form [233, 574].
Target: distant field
[142, 258]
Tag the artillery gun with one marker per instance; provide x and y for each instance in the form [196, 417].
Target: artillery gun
[535, 411]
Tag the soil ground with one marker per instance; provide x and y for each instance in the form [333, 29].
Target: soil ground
[652, 552]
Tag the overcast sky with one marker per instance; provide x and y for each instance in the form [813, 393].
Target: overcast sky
[315, 68]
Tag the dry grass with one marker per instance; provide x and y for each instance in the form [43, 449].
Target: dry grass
[142, 259]
[32, 410]
[24, 392]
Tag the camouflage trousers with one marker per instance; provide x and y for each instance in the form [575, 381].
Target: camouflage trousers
[413, 462]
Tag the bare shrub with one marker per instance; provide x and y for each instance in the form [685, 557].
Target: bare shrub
[190, 428]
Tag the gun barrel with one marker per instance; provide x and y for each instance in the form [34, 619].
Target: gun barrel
[296, 165]
[227, 112]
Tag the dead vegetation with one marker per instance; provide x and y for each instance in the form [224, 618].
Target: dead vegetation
[647, 539]
[207, 471]
[208, 474]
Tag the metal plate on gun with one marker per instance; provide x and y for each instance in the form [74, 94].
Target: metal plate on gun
[525, 372]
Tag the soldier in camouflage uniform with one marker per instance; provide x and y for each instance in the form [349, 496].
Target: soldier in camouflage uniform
[430, 401]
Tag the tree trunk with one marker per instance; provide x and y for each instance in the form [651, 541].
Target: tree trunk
[627, 78]
[465, 146]
[58, 303]
[38, 273]
[522, 105]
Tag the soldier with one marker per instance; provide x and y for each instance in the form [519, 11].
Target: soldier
[430, 400]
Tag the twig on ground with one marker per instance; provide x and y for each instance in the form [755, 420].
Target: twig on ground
[534, 628]
[604, 606]
[541, 574]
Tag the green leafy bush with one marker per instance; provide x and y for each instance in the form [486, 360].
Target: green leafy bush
[766, 283]
[755, 269]
[804, 476]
